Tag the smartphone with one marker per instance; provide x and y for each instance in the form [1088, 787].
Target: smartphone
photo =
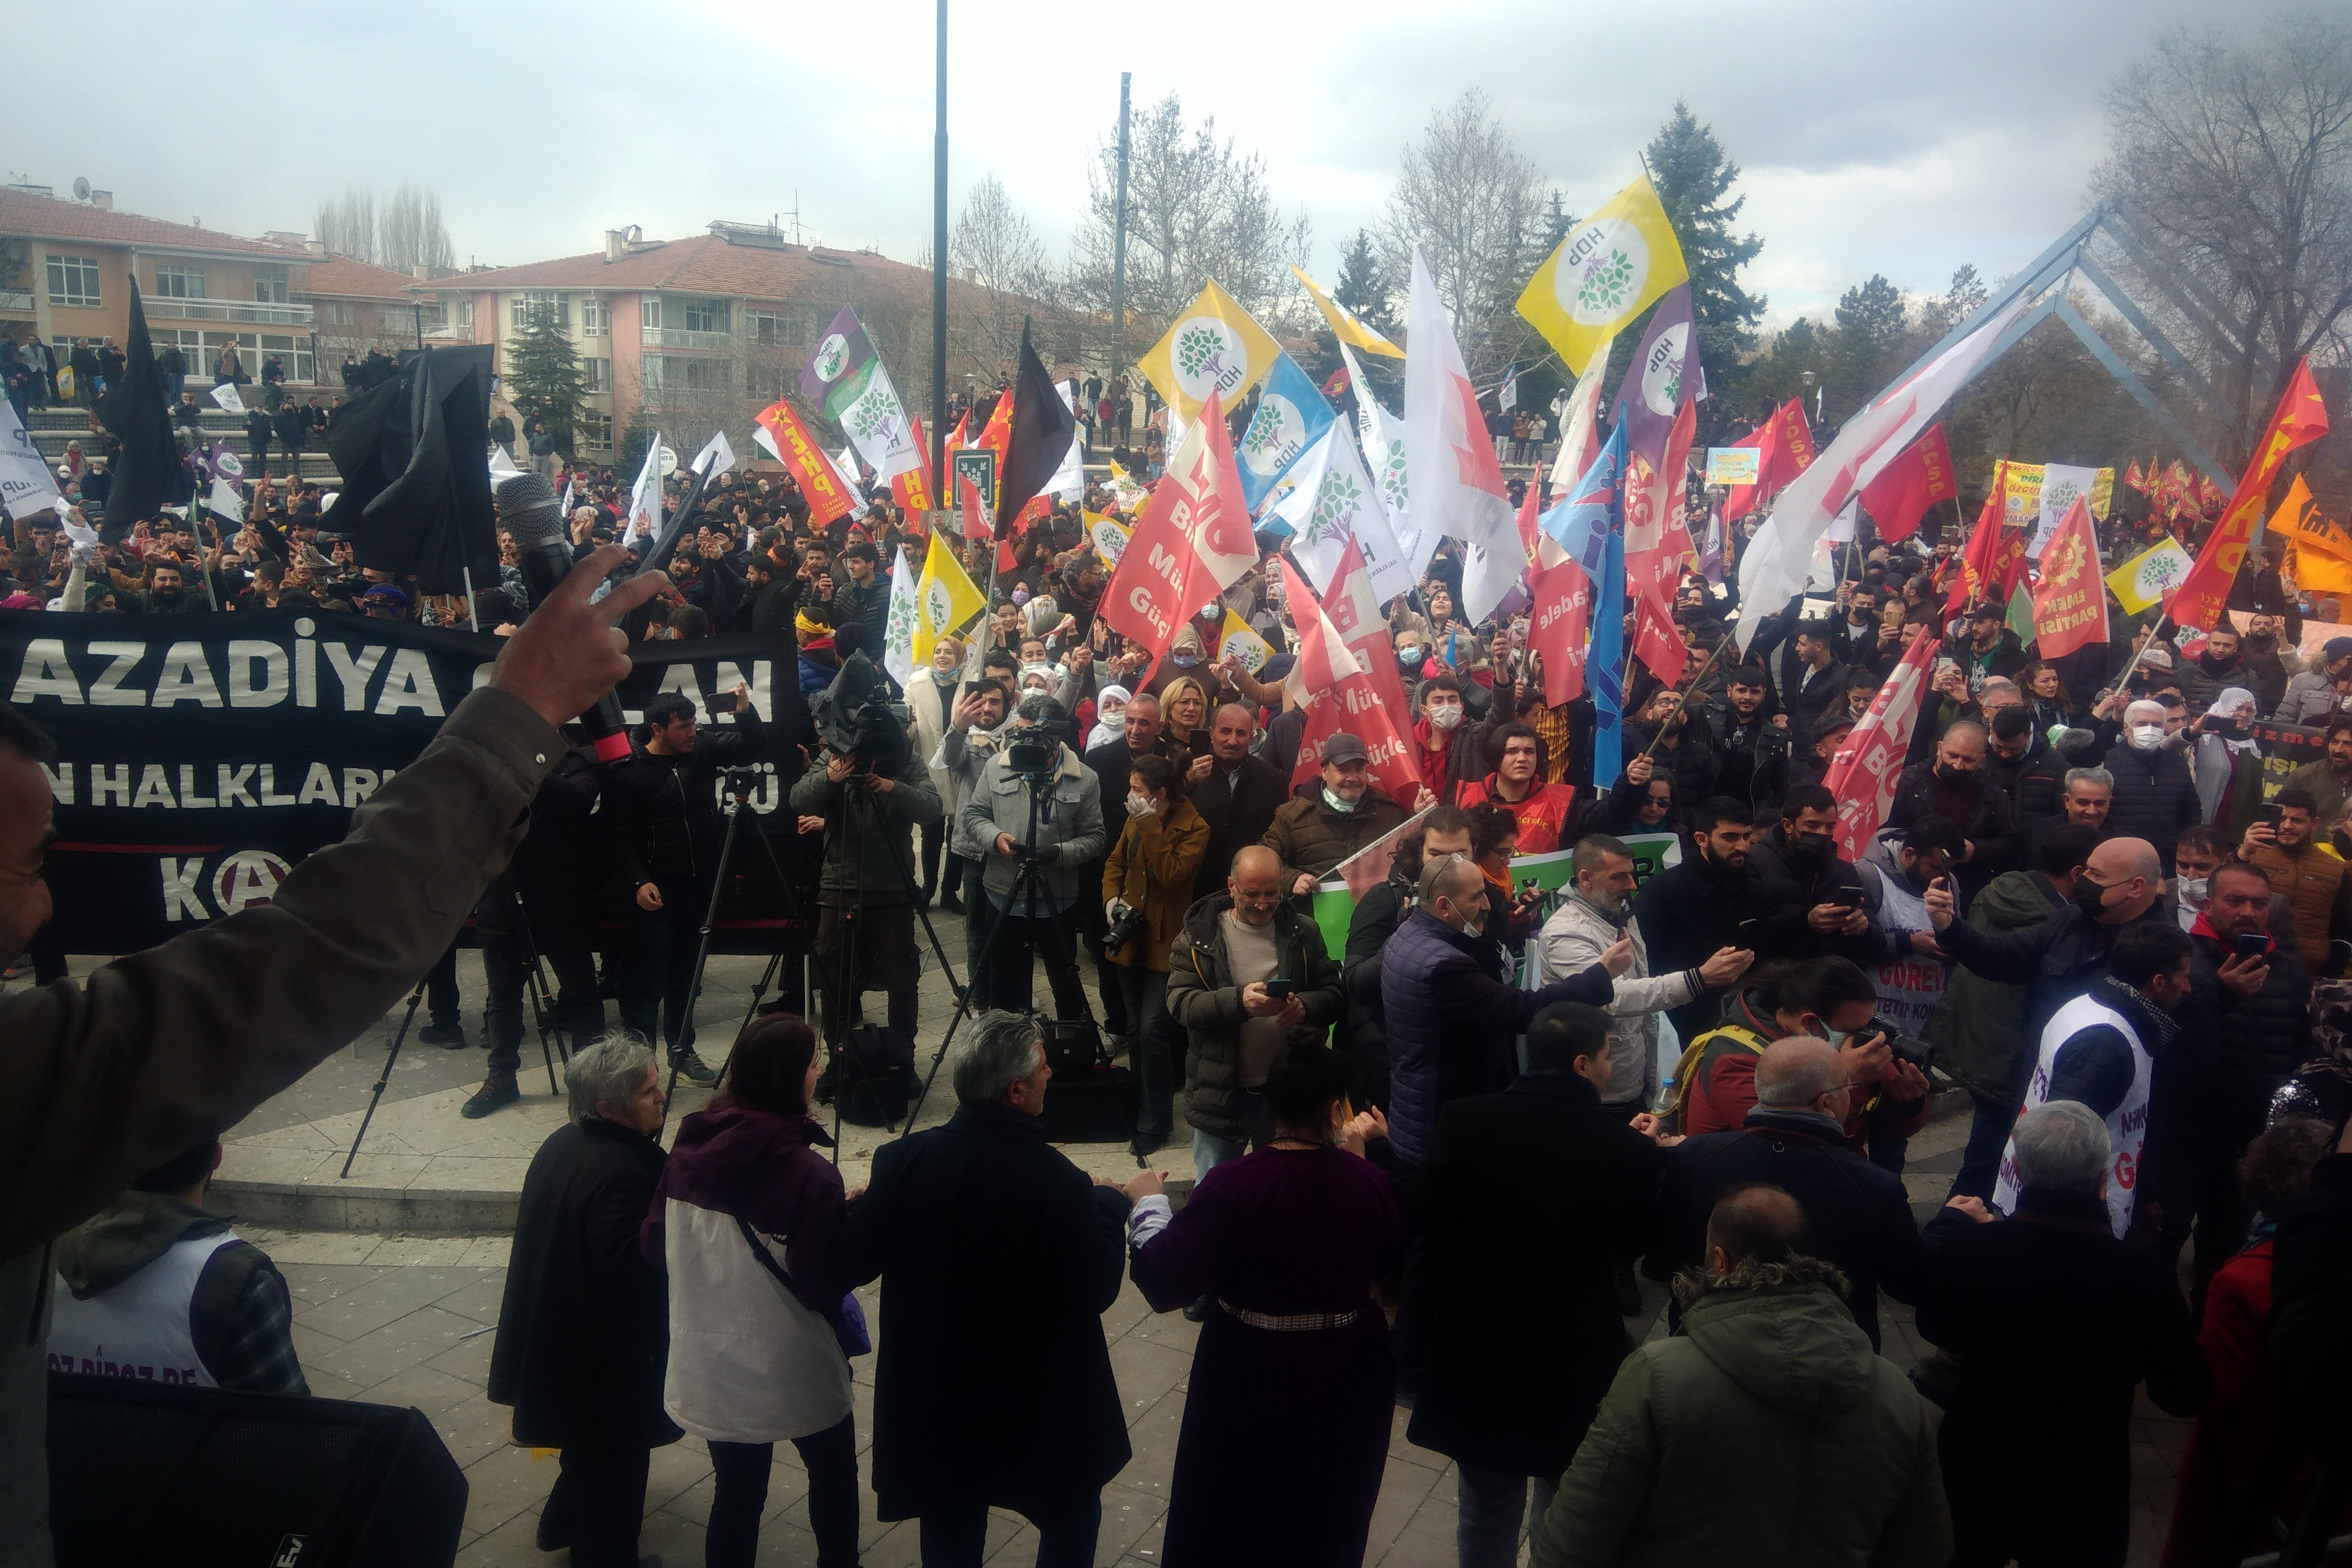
[1846, 897]
[1278, 988]
[2252, 943]
[1746, 933]
[724, 702]
[2267, 814]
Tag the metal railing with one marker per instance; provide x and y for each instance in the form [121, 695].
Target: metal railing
[186, 310]
[679, 338]
[16, 299]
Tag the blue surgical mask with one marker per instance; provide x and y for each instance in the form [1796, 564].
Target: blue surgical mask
[1336, 803]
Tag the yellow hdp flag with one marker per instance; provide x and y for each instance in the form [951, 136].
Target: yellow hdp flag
[2150, 576]
[944, 600]
[1239, 641]
[1606, 272]
[1109, 536]
[1214, 346]
[1346, 325]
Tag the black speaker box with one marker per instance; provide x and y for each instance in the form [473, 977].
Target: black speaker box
[1093, 1106]
[201, 1477]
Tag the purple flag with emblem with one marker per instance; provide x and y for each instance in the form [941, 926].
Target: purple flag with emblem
[1665, 374]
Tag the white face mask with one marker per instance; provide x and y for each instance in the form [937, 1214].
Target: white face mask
[1444, 717]
[2192, 891]
[2146, 737]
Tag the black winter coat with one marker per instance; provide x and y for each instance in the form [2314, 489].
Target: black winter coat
[1860, 1215]
[1787, 890]
[1989, 825]
[584, 1329]
[2054, 1323]
[997, 1258]
[1530, 1199]
[1366, 1035]
[2036, 785]
[1238, 806]
[2154, 798]
[2222, 1079]
[560, 866]
[1753, 761]
[661, 814]
[1686, 912]
[2055, 961]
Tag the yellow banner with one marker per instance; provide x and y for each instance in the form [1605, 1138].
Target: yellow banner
[2150, 576]
[1610, 268]
[1214, 346]
[945, 599]
[2319, 552]
[1346, 325]
[2021, 492]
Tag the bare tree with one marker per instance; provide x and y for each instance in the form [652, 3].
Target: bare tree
[2231, 165]
[1196, 209]
[1475, 206]
[994, 250]
[408, 234]
[347, 226]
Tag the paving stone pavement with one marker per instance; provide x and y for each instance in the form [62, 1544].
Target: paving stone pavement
[407, 1320]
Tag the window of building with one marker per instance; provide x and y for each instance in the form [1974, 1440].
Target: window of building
[73, 281]
[533, 302]
[768, 381]
[706, 315]
[433, 314]
[678, 373]
[778, 327]
[465, 305]
[179, 280]
[595, 431]
[596, 374]
[649, 312]
[291, 352]
[337, 313]
[595, 319]
[269, 286]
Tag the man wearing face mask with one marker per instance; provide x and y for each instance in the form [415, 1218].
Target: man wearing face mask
[2155, 794]
[1328, 817]
[1438, 736]
[1811, 897]
[2322, 690]
[1957, 787]
[1452, 1015]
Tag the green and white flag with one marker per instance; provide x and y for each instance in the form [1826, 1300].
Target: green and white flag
[899, 632]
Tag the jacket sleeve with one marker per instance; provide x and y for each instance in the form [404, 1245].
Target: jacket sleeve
[163, 1047]
[1919, 1533]
[745, 740]
[1563, 949]
[1633, 994]
[911, 798]
[2095, 1067]
[2011, 955]
[979, 819]
[1191, 1001]
[1114, 876]
[1171, 860]
[1082, 846]
[813, 793]
[1319, 986]
[1609, 1482]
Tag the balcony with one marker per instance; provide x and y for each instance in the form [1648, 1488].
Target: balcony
[174, 308]
[16, 299]
[679, 338]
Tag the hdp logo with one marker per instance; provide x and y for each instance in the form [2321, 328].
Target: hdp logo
[1600, 272]
[1208, 357]
[832, 358]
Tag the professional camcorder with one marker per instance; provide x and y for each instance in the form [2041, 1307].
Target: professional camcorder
[856, 718]
[1032, 744]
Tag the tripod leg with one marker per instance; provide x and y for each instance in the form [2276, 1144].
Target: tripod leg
[383, 1078]
[702, 947]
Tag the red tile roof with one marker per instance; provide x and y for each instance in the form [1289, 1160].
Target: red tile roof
[340, 277]
[704, 264]
[47, 218]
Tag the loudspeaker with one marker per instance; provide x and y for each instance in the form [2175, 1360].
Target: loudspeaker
[1093, 1106]
[871, 1084]
[202, 1478]
[1072, 1045]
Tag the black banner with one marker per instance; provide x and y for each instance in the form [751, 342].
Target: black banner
[201, 757]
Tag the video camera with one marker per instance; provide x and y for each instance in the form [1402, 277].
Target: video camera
[856, 718]
[1032, 744]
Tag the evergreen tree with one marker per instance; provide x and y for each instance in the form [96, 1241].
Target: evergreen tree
[1364, 285]
[544, 376]
[1867, 350]
[1694, 178]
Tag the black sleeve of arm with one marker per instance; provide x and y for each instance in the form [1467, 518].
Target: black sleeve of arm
[2095, 1067]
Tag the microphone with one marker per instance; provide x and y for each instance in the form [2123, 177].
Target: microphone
[527, 506]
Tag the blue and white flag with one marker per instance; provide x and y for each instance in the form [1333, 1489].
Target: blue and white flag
[1589, 525]
[1292, 415]
[1507, 397]
[1580, 522]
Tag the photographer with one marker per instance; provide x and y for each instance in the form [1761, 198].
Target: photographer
[661, 811]
[1033, 778]
[974, 727]
[1147, 886]
[869, 861]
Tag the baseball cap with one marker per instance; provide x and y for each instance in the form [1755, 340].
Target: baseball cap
[1986, 612]
[1344, 747]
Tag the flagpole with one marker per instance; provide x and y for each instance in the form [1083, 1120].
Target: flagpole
[1704, 665]
[940, 485]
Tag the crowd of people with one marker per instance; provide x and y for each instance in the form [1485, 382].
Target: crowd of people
[1434, 1161]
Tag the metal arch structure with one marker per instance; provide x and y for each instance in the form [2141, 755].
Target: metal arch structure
[2049, 275]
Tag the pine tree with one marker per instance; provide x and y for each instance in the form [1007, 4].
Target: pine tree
[1694, 178]
[1866, 348]
[544, 376]
[1363, 285]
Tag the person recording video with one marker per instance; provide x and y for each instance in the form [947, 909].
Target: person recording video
[872, 791]
[1035, 802]
[661, 811]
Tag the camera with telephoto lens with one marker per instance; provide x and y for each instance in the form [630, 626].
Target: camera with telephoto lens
[1032, 745]
[1126, 923]
[1906, 1047]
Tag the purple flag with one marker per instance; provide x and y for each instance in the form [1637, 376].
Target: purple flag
[1665, 374]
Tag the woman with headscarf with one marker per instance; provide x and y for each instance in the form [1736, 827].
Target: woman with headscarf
[2227, 764]
[1110, 716]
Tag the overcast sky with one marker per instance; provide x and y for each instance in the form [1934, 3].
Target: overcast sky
[1897, 139]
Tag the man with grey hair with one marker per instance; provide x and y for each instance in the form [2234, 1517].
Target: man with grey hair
[2054, 1321]
[583, 1330]
[2155, 794]
[1795, 1139]
[997, 1258]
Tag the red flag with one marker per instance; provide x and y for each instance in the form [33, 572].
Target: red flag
[998, 432]
[1658, 644]
[1796, 453]
[2070, 602]
[1337, 694]
[911, 487]
[819, 481]
[1356, 615]
[1908, 486]
[975, 511]
[956, 441]
[1560, 629]
[2134, 477]
[1995, 555]
[1190, 545]
[1657, 542]
[2300, 417]
[1862, 774]
[1738, 501]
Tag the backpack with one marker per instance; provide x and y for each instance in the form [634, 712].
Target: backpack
[1695, 1052]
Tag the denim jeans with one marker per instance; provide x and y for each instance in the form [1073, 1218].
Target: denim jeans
[732, 1540]
[955, 1538]
[1145, 991]
[1209, 1151]
[1492, 1507]
[1988, 1130]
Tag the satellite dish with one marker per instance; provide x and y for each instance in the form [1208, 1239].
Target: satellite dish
[81, 189]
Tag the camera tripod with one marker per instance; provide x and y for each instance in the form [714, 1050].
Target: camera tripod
[1027, 878]
[543, 1012]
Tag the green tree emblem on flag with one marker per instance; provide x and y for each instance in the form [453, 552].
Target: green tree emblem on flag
[1607, 285]
[939, 604]
[2059, 499]
[1197, 347]
[1335, 509]
[1674, 388]
[1265, 432]
[899, 635]
[1394, 489]
[831, 355]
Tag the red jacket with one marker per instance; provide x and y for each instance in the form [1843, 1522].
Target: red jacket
[1543, 814]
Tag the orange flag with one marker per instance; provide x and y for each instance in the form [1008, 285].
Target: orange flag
[2070, 602]
[2300, 417]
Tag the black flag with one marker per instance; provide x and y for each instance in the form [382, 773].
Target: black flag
[1043, 427]
[149, 474]
[414, 453]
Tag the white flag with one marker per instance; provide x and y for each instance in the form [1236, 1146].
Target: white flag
[845, 468]
[645, 497]
[502, 467]
[898, 631]
[1334, 502]
[225, 500]
[715, 458]
[876, 425]
[225, 394]
[1457, 485]
[27, 485]
[2062, 485]
[1777, 562]
[1383, 450]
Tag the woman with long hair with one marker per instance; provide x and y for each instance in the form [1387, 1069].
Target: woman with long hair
[2046, 697]
[1184, 718]
[1150, 870]
[748, 1220]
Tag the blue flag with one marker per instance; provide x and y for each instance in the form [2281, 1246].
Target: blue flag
[1580, 522]
[1590, 526]
[1291, 417]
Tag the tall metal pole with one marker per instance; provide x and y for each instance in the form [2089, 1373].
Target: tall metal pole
[939, 281]
[1118, 246]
